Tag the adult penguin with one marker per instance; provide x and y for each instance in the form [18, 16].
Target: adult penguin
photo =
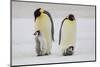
[44, 23]
[67, 35]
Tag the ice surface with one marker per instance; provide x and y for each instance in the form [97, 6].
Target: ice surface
[23, 51]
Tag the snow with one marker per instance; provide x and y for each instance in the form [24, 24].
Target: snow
[23, 45]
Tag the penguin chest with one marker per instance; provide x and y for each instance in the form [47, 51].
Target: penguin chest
[68, 32]
[43, 24]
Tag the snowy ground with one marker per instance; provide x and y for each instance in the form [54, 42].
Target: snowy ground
[23, 51]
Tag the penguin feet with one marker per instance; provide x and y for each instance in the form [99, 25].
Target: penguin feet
[68, 51]
[44, 54]
[39, 55]
[48, 53]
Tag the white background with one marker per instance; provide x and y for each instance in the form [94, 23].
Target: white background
[5, 27]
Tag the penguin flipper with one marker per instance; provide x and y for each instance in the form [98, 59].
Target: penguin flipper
[61, 30]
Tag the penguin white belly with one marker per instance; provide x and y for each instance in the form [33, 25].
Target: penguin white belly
[40, 45]
[43, 24]
[68, 34]
[43, 44]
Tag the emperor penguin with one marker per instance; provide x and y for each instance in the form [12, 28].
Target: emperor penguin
[44, 23]
[67, 35]
[40, 43]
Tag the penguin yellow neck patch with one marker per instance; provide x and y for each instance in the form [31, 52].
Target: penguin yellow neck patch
[70, 22]
[41, 10]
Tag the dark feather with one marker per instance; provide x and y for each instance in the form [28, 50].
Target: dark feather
[61, 30]
[37, 13]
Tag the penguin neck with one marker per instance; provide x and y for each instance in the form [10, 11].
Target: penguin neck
[43, 18]
[43, 15]
[71, 22]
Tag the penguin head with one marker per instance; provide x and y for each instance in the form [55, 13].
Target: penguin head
[37, 33]
[38, 12]
[71, 17]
